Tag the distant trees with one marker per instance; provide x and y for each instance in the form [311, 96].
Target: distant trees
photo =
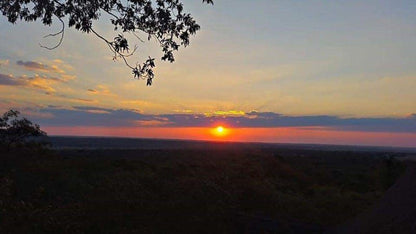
[162, 20]
[16, 130]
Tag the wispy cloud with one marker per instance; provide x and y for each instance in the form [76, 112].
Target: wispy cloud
[37, 66]
[9, 80]
[102, 90]
[44, 77]
[43, 82]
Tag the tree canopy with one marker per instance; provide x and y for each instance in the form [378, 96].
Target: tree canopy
[162, 20]
[15, 130]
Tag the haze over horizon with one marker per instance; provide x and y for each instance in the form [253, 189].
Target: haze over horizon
[330, 72]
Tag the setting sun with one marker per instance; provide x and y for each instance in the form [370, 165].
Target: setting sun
[220, 131]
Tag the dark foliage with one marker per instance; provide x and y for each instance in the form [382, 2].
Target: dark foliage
[16, 131]
[185, 191]
[163, 20]
[390, 169]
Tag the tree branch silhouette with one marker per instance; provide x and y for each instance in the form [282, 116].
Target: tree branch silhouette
[62, 33]
[163, 20]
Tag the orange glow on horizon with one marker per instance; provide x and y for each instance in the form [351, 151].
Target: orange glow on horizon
[283, 135]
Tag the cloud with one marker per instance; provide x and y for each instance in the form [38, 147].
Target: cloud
[46, 77]
[37, 66]
[102, 90]
[84, 100]
[90, 116]
[43, 83]
[226, 113]
[9, 80]
[97, 116]
[56, 67]
[4, 62]
[152, 123]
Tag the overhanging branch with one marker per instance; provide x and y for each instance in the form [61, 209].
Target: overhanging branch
[62, 32]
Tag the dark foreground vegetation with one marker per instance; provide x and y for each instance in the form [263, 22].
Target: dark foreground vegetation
[187, 191]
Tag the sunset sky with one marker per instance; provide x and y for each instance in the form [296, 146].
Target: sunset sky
[330, 72]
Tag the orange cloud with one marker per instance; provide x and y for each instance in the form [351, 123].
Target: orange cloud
[226, 113]
[152, 123]
[44, 83]
[101, 90]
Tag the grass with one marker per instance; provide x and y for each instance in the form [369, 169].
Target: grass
[187, 191]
